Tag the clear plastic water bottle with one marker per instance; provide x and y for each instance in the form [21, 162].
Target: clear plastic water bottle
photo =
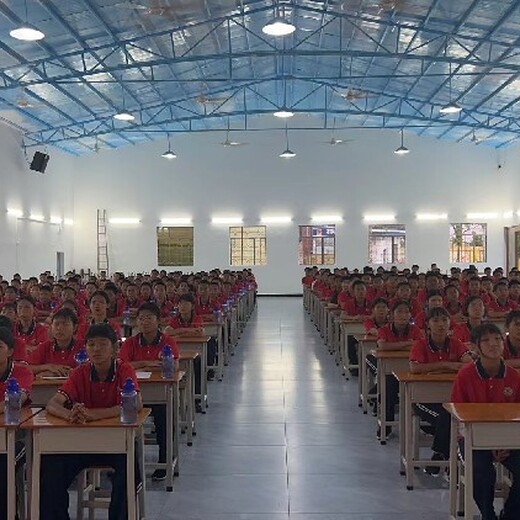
[13, 402]
[167, 362]
[126, 316]
[81, 357]
[129, 403]
[216, 315]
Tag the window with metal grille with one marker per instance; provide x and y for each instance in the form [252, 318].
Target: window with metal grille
[317, 245]
[387, 244]
[175, 246]
[468, 243]
[248, 245]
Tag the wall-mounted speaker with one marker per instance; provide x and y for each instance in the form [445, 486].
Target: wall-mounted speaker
[39, 162]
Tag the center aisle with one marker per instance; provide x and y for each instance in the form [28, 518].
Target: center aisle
[284, 439]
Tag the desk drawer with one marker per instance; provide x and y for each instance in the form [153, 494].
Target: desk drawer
[3, 440]
[81, 440]
[431, 392]
[496, 435]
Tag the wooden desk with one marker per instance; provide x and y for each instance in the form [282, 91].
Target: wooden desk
[216, 330]
[415, 389]
[351, 327]
[7, 447]
[484, 426]
[52, 435]
[366, 345]
[200, 344]
[388, 362]
[187, 363]
[157, 390]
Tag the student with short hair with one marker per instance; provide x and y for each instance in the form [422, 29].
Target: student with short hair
[56, 357]
[27, 328]
[438, 352]
[144, 352]
[187, 322]
[474, 312]
[98, 315]
[490, 380]
[8, 369]
[512, 339]
[434, 299]
[500, 305]
[91, 392]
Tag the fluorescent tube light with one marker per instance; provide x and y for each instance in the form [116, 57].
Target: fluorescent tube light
[56, 220]
[226, 220]
[18, 213]
[482, 215]
[378, 218]
[124, 220]
[37, 217]
[508, 214]
[276, 220]
[68, 221]
[432, 216]
[176, 221]
[327, 218]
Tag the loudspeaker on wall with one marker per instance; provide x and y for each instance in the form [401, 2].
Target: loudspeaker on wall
[39, 162]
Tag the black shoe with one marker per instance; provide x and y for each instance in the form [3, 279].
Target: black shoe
[435, 470]
[198, 407]
[211, 375]
[158, 475]
[388, 433]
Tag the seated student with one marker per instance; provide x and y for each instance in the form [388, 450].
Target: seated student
[145, 292]
[91, 392]
[437, 353]
[130, 301]
[45, 305]
[112, 292]
[490, 380]
[500, 305]
[512, 339]
[8, 369]
[404, 292]
[144, 351]
[432, 282]
[27, 329]
[56, 357]
[474, 311]
[20, 350]
[434, 299]
[452, 302]
[514, 291]
[9, 310]
[399, 334]
[98, 314]
[161, 300]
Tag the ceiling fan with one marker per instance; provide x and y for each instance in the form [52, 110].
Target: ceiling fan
[228, 142]
[353, 94]
[334, 141]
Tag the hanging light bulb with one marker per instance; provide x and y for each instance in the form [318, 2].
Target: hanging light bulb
[452, 107]
[287, 153]
[279, 25]
[124, 116]
[169, 154]
[402, 150]
[284, 112]
[26, 32]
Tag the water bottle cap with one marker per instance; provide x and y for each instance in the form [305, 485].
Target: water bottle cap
[167, 351]
[12, 385]
[129, 386]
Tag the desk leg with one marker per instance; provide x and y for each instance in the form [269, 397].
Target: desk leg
[35, 477]
[204, 376]
[468, 472]
[176, 428]
[402, 429]
[408, 434]
[140, 444]
[170, 460]
[454, 476]
[190, 400]
[11, 482]
[364, 376]
[130, 474]
[381, 388]
[220, 354]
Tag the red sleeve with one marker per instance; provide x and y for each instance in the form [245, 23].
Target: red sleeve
[39, 355]
[197, 322]
[458, 391]
[382, 334]
[459, 348]
[41, 333]
[174, 323]
[24, 377]
[173, 344]
[127, 350]
[416, 333]
[20, 350]
[369, 325]
[418, 353]
[71, 388]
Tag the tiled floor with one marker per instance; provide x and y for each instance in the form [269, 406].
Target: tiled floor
[284, 439]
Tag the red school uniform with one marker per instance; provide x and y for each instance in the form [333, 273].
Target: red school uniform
[36, 334]
[84, 386]
[123, 304]
[343, 298]
[85, 325]
[137, 349]
[510, 351]
[21, 373]
[389, 333]
[507, 306]
[206, 308]
[424, 351]
[354, 308]
[20, 350]
[474, 385]
[49, 353]
[178, 323]
[371, 324]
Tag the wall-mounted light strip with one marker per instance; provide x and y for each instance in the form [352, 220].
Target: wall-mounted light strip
[328, 219]
[56, 220]
[177, 221]
[276, 219]
[18, 213]
[226, 220]
[431, 216]
[68, 221]
[508, 214]
[480, 216]
[378, 218]
[37, 217]
[124, 220]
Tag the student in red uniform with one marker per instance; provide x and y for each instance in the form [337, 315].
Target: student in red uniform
[512, 339]
[500, 305]
[19, 351]
[434, 300]
[490, 380]
[145, 292]
[437, 353]
[91, 392]
[431, 283]
[27, 329]
[143, 351]
[160, 299]
[56, 357]
[10, 369]
[399, 334]
[44, 305]
[9, 310]
[404, 292]
[98, 314]
[514, 290]
[475, 314]
[130, 302]
[452, 302]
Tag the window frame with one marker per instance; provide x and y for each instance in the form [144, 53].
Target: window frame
[317, 244]
[394, 247]
[172, 243]
[471, 250]
[262, 246]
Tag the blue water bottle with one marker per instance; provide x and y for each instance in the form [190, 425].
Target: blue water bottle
[13, 402]
[128, 403]
[167, 362]
[81, 357]
[216, 315]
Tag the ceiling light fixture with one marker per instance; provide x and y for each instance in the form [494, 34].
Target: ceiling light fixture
[37, 217]
[124, 116]
[169, 154]
[402, 150]
[327, 218]
[279, 25]
[284, 112]
[432, 216]
[56, 220]
[68, 221]
[26, 32]
[287, 153]
[451, 108]
[226, 220]
[18, 213]
[176, 221]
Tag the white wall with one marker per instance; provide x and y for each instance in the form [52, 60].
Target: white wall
[26, 246]
[362, 177]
